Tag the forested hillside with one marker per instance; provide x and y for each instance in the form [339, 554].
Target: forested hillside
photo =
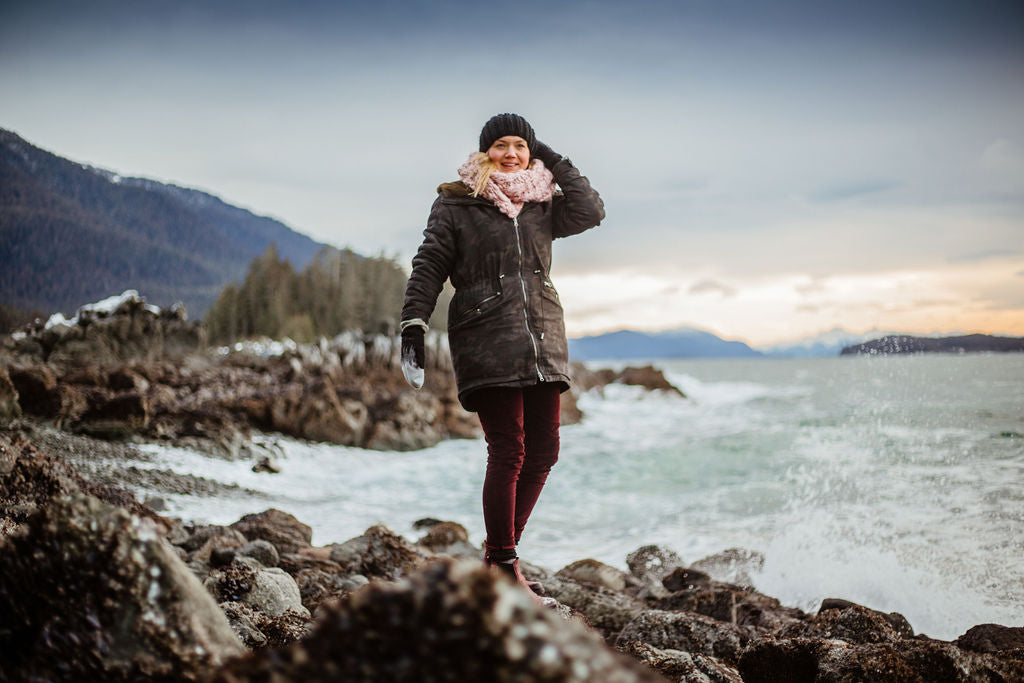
[71, 234]
[337, 291]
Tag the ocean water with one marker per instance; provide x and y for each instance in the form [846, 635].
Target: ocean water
[894, 482]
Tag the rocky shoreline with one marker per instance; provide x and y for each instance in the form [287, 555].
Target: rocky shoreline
[122, 369]
[94, 584]
[97, 585]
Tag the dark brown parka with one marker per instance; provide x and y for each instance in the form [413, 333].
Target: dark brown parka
[505, 323]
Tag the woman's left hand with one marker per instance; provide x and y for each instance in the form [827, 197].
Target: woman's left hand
[413, 355]
[549, 156]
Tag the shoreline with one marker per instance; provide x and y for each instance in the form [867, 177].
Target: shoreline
[660, 616]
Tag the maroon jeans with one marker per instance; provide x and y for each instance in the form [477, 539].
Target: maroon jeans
[521, 428]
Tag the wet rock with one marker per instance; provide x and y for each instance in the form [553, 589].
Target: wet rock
[316, 412]
[309, 558]
[734, 565]
[729, 603]
[30, 478]
[459, 423]
[414, 421]
[117, 417]
[262, 551]
[126, 379]
[680, 666]
[586, 379]
[201, 536]
[280, 528]
[596, 574]
[379, 552]
[90, 592]
[896, 620]
[426, 523]
[606, 610]
[689, 632]
[449, 538]
[649, 378]
[447, 622]
[652, 561]
[683, 578]
[9, 406]
[268, 465]
[317, 586]
[244, 620]
[274, 592]
[854, 624]
[837, 661]
[36, 387]
[993, 638]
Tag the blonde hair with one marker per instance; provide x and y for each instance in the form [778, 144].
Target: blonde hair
[487, 167]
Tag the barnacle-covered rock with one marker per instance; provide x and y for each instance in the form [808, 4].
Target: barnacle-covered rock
[450, 621]
[91, 592]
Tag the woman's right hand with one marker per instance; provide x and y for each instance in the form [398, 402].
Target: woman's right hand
[413, 355]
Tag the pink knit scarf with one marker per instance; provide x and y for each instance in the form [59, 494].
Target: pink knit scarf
[509, 191]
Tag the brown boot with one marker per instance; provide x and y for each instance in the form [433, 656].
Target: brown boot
[510, 568]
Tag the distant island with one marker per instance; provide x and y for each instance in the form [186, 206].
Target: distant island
[971, 343]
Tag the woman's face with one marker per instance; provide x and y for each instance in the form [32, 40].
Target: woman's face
[510, 153]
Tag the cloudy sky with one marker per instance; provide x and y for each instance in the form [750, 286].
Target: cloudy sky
[770, 170]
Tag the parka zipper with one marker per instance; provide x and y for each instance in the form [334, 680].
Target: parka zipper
[526, 303]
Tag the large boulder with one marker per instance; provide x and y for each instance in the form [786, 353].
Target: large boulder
[414, 420]
[36, 388]
[316, 412]
[688, 632]
[682, 667]
[771, 660]
[596, 573]
[696, 592]
[842, 620]
[448, 622]
[91, 592]
[30, 478]
[649, 378]
[283, 530]
[650, 564]
[270, 590]
[608, 611]
[379, 552]
[993, 638]
[117, 417]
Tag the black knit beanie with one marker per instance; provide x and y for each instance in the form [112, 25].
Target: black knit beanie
[500, 125]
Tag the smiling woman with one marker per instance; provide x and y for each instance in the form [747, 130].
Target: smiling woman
[491, 234]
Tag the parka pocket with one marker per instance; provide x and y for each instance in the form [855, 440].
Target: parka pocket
[551, 306]
[473, 304]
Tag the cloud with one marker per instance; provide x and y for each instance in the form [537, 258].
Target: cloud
[984, 255]
[711, 286]
[853, 190]
[813, 286]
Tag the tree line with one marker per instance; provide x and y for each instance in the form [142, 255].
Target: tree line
[338, 291]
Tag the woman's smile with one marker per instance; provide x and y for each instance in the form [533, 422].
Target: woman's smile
[510, 153]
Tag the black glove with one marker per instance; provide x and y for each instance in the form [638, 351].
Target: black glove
[549, 156]
[413, 355]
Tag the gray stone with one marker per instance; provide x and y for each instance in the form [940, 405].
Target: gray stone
[262, 551]
[274, 592]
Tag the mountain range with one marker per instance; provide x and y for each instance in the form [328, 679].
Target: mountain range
[683, 342]
[71, 233]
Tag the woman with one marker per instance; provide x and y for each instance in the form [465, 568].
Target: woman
[491, 232]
